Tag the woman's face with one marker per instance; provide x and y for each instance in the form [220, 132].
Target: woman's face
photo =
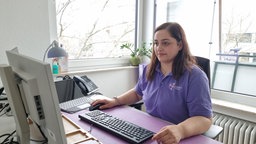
[166, 47]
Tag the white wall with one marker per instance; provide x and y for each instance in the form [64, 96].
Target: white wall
[29, 25]
[115, 82]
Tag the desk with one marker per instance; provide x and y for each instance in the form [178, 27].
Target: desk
[137, 117]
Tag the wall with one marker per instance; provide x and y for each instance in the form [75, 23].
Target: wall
[145, 25]
[29, 25]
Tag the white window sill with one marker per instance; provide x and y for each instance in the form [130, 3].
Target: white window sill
[74, 72]
[232, 106]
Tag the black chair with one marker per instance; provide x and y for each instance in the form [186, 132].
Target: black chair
[204, 64]
[137, 105]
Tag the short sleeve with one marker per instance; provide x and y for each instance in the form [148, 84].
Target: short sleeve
[141, 80]
[198, 98]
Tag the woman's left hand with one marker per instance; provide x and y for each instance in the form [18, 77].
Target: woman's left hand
[171, 134]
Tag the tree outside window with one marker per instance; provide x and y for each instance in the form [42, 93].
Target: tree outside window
[238, 27]
[95, 28]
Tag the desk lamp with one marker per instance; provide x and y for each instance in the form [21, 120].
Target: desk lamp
[54, 51]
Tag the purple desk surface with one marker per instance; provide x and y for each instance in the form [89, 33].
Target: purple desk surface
[137, 117]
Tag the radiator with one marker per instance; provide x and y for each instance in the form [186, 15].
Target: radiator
[235, 131]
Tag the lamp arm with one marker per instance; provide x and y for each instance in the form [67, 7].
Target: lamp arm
[46, 52]
[53, 43]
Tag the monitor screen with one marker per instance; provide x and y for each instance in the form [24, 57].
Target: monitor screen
[32, 94]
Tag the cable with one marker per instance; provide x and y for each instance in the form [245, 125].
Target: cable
[3, 114]
[1, 90]
[7, 109]
[43, 141]
[4, 135]
[13, 141]
[6, 140]
[3, 96]
[6, 105]
[2, 105]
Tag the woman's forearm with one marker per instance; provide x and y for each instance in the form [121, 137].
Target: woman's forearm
[194, 126]
[128, 97]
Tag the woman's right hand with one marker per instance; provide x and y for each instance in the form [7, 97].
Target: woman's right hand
[128, 97]
[107, 103]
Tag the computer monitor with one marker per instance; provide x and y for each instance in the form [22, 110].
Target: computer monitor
[32, 94]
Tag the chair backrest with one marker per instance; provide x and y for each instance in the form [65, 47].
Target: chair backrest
[204, 64]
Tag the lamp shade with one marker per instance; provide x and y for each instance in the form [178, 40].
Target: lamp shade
[56, 52]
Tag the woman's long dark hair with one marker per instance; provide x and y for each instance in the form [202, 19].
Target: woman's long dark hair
[183, 60]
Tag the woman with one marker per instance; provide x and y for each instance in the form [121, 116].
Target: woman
[172, 87]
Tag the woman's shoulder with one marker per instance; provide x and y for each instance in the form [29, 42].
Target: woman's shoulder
[142, 70]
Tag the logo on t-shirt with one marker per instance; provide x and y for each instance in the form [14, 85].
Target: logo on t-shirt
[173, 86]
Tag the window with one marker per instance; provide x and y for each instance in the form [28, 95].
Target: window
[195, 16]
[238, 24]
[95, 28]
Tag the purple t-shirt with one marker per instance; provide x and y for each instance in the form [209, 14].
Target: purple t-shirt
[175, 101]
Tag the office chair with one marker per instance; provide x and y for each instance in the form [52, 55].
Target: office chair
[204, 64]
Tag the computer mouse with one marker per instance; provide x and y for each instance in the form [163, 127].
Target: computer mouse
[95, 107]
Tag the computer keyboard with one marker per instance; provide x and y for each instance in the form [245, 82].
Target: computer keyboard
[75, 105]
[123, 129]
